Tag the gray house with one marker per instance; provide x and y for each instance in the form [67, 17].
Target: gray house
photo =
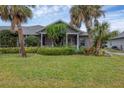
[117, 42]
[74, 36]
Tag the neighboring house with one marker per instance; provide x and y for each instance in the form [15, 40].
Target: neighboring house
[74, 36]
[117, 42]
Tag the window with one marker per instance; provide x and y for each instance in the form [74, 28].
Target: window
[83, 43]
[110, 43]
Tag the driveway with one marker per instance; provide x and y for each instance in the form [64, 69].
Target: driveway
[114, 53]
[120, 54]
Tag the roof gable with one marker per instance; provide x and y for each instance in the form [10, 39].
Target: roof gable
[73, 29]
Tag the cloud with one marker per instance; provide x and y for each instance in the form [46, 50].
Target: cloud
[115, 19]
[107, 7]
[41, 11]
[50, 13]
[46, 14]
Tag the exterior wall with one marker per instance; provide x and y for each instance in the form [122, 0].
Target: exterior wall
[69, 30]
[117, 42]
[46, 41]
[83, 41]
[72, 40]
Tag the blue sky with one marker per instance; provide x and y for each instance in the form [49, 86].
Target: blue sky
[44, 15]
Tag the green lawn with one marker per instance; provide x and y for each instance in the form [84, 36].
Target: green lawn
[61, 71]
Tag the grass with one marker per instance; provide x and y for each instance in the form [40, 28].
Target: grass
[61, 71]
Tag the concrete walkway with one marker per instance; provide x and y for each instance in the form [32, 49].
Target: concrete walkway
[115, 53]
[119, 54]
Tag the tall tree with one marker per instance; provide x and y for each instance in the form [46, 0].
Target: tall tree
[88, 14]
[16, 14]
[101, 32]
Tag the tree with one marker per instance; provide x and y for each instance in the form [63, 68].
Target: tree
[109, 36]
[101, 33]
[32, 41]
[87, 14]
[56, 32]
[16, 14]
[113, 34]
[8, 39]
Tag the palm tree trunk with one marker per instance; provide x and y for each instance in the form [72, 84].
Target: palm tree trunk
[21, 41]
[98, 46]
[90, 38]
[88, 24]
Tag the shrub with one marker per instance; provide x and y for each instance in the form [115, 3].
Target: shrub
[31, 49]
[56, 51]
[16, 50]
[101, 53]
[89, 51]
[32, 41]
[8, 39]
[42, 51]
[92, 51]
[9, 50]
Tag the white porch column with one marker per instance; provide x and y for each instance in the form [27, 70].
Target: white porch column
[25, 40]
[17, 42]
[41, 40]
[78, 42]
[66, 39]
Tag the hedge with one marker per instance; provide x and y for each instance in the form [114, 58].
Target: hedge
[56, 51]
[16, 50]
[42, 51]
[9, 50]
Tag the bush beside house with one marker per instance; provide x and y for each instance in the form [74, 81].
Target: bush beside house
[8, 39]
[32, 41]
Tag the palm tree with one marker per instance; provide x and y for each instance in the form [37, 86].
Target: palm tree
[87, 14]
[16, 14]
[56, 32]
[101, 32]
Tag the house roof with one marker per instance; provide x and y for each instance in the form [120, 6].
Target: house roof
[27, 30]
[60, 21]
[121, 35]
[83, 33]
[35, 30]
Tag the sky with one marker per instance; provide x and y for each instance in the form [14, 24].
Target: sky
[46, 14]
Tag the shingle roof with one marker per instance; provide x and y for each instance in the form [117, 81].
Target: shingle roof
[83, 33]
[60, 21]
[27, 30]
[33, 30]
[75, 29]
[121, 35]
